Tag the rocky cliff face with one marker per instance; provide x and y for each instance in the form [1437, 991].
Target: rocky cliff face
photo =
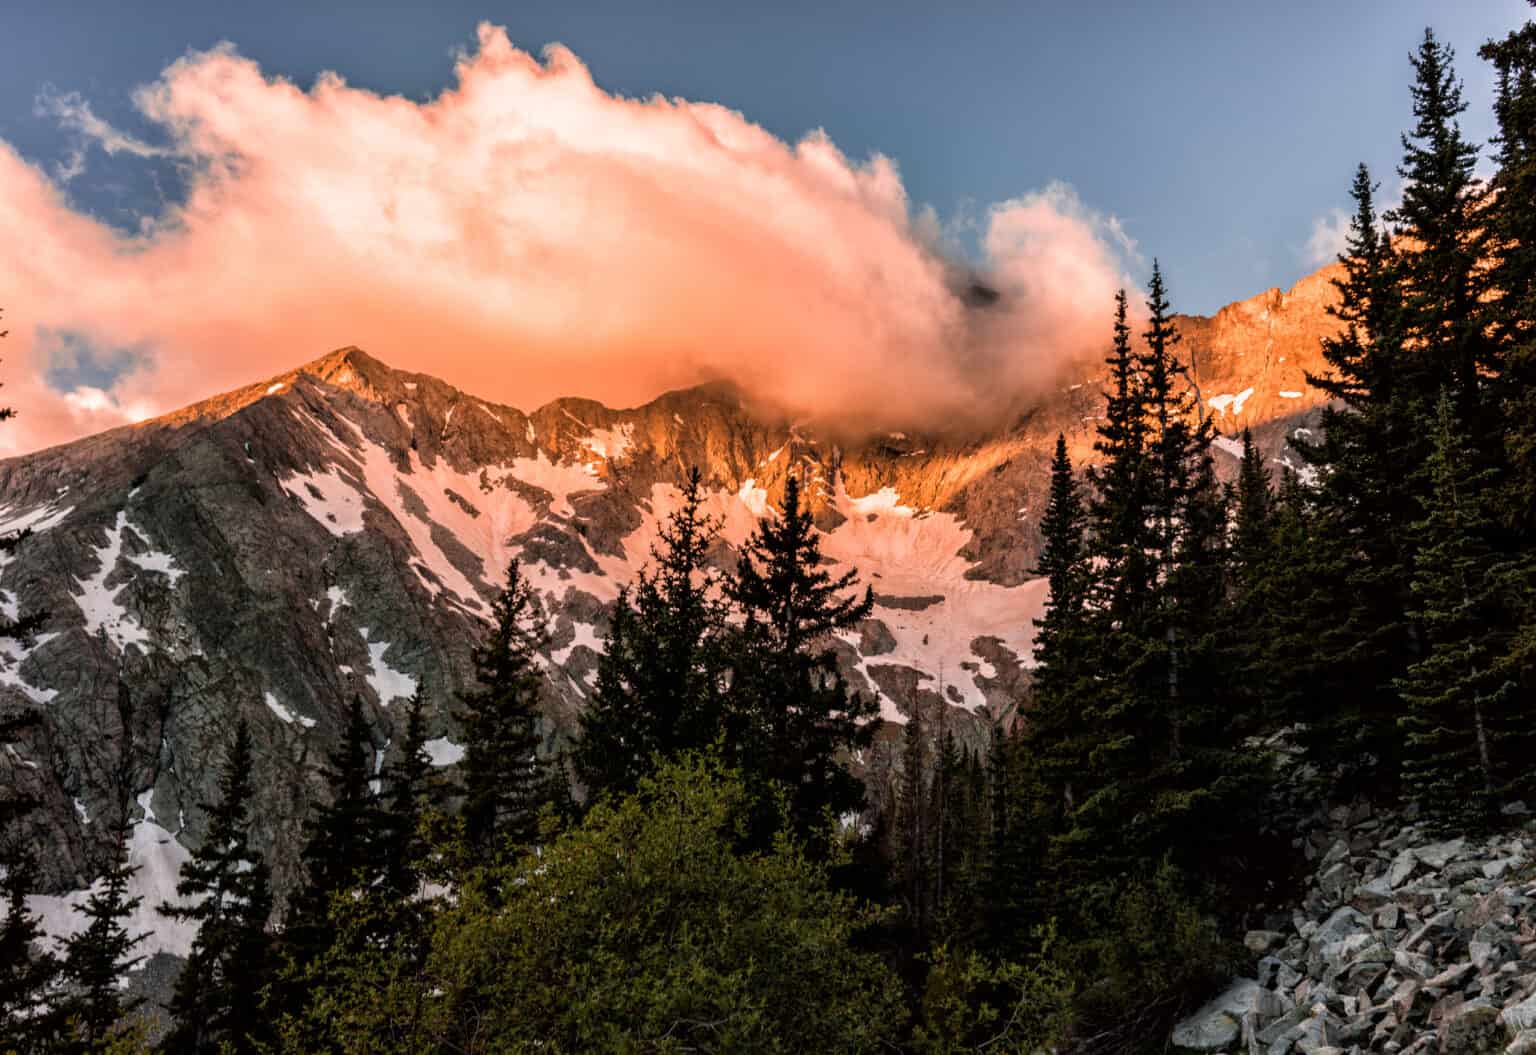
[339, 530]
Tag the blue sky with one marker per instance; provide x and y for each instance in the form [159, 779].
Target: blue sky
[1216, 132]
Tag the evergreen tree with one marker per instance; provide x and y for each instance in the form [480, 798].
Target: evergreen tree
[1117, 544]
[1511, 219]
[1163, 766]
[502, 780]
[224, 889]
[1253, 509]
[1469, 731]
[1511, 307]
[1064, 678]
[1442, 271]
[29, 972]
[912, 842]
[793, 713]
[98, 958]
[958, 855]
[1286, 612]
[345, 842]
[343, 846]
[1364, 501]
[659, 679]
[411, 791]
[380, 930]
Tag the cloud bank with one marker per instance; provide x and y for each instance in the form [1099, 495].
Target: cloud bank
[525, 235]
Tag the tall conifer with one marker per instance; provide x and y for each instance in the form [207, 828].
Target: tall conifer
[1365, 499]
[794, 711]
[1064, 680]
[659, 680]
[98, 958]
[502, 780]
[29, 972]
[224, 889]
[1468, 730]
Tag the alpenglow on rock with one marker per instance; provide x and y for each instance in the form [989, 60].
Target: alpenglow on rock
[338, 530]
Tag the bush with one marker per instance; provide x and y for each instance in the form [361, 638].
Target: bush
[642, 929]
[973, 1004]
[1147, 955]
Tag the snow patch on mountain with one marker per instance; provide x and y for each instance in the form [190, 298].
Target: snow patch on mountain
[1227, 401]
[98, 602]
[285, 715]
[902, 552]
[443, 751]
[1228, 444]
[13, 521]
[157, 859]
[388, 684]
[561, 479]
[13, 655]
[611, 444]
[585, 635]
[329, 497]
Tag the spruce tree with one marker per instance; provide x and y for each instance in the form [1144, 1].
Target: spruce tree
[793, 712]
[958, 851]
[912, 836]
[1511, 307]
[98, 958]
[659, 679]
[1117, 543]
[1252, 512]
[1469, 730]
[1365, 499]
[1441, 271]
[343, 846]
[223, 888]
[1511, 219]
[29, 972]
[1164, 771]
[411, 791]
[1064, 679]
[501, 771]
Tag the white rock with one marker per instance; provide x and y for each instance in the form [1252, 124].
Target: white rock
[1218, 1025]
[1438, 855]
[1520, 1017]
[1401, 868]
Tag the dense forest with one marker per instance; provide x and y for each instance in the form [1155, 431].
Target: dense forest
[1080, 884]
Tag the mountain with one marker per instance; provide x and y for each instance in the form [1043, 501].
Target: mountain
[338, 530]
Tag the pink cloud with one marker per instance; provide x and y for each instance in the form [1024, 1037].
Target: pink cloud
[526, 235]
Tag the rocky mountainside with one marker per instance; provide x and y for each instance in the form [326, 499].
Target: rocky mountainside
[338, 531]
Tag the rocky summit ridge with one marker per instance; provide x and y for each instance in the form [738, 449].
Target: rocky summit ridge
[339, 529]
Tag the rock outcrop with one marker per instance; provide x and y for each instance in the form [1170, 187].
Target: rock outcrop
[1405, 943]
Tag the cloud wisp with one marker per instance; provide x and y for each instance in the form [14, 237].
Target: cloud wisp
[525, 235]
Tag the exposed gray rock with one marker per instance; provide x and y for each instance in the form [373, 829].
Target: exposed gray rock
[1521, 1016]
[1438, 855]
[1433, 952]
[1401, 868]
[1218, 1024]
